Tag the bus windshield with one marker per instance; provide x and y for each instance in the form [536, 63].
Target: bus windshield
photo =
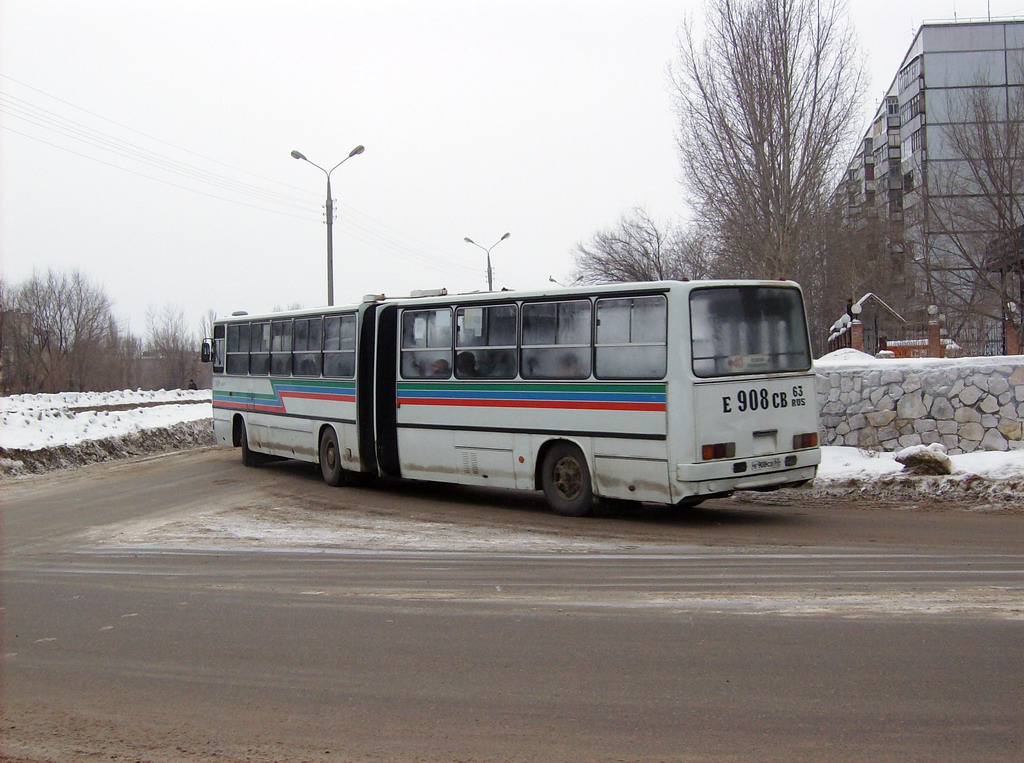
[748, 330]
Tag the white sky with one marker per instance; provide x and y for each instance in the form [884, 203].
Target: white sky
[545, 118]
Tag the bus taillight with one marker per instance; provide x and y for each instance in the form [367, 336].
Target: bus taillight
[718, 450]
[806, 440]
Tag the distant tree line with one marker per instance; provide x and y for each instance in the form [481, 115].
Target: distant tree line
[58, 333]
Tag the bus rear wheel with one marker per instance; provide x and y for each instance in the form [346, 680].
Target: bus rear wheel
[565, 478]
[330, 458]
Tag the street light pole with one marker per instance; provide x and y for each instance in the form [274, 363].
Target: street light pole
[330, 215]
[490, 275]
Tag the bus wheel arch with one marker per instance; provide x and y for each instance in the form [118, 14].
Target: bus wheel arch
[237, 430]
[565, 477]
[240, 438]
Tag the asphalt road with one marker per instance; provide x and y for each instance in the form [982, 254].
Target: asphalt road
[180, 608]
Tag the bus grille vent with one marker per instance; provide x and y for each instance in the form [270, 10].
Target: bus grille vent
[469, 465]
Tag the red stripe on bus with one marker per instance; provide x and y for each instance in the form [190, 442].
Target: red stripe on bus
[591, 405]
[229, 404]
[319, 396]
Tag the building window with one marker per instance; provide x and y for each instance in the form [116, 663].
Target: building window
[909, 73]
[912, 108]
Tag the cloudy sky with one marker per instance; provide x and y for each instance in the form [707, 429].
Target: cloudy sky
[147, 143]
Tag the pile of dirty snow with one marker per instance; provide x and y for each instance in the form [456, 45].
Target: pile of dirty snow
[39, 433]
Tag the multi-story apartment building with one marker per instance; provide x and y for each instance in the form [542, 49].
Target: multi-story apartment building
[939, 178]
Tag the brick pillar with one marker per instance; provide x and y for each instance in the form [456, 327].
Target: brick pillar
[1013, 339]
[934, 344]
[857, 335]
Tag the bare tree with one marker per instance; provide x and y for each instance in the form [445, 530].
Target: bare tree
[969, 227]
[206, 324]
[172, 354]
[60, 335]
[847, 265]
[766, 103]
[638, 249]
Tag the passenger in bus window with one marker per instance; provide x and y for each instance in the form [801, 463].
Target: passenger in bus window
[440, 369]
[465, 365]
[569, 367]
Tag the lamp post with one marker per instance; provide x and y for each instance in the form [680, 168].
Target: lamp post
[490, 275]
[330, 215]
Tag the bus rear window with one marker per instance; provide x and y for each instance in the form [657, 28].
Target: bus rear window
[748, 330]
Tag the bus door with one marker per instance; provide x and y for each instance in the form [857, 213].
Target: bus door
[366, 364]
[386, 416]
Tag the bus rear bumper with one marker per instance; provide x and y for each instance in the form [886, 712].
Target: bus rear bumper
[754, 473]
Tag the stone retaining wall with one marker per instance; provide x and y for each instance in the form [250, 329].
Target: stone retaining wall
[966, 404]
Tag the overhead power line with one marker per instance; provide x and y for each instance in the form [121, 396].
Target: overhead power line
[85, 140]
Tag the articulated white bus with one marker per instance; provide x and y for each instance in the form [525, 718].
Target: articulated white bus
[669, 392]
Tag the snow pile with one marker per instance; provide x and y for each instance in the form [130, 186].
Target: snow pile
[849, 357]
[988, 479]
[43, 432]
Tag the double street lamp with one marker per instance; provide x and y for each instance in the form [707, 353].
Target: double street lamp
[330, 215]
[490, 275]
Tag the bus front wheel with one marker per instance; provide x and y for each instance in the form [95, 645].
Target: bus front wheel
[330, 458]
[249, 458]
[565, 478]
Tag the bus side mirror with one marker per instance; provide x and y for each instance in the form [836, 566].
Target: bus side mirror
[207, 351]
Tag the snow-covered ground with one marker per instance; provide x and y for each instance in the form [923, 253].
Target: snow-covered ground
[70, 421]
[31, 422]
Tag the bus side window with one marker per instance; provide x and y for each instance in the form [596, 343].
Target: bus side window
[485, 340]
[630, 342]
[556, 340]
[238, 348]
[218, 349]
[340, 346]
[259, 349]
[306, 344]
[427, 344]
[281, 348]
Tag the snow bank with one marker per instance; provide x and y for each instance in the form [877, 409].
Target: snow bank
[44, 432]
[39, 433]
[850, 357]
[33, 422]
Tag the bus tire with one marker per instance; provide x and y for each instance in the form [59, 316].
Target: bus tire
[330, 458]
[565, 479]
[249, 457]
